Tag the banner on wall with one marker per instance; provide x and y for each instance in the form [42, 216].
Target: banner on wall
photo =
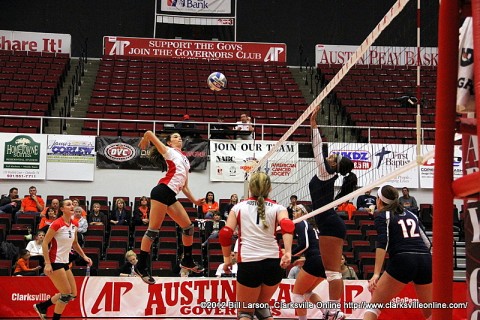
[124, 153]
[23, 156]
[376, 55]
[231, 160]
[35, 41]
[427, 170]
[195, 49]
[374, 161]
[71, 157]
[204, 7]
[116, 297]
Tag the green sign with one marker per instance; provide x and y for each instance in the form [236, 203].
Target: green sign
[22, 148]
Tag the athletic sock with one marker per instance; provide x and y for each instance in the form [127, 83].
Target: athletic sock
[45, 304]
[187, 252]
[56, 316]
[142, 260]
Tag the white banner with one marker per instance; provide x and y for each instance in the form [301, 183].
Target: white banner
[426, 171]
[23, 156]
[231, 160]
[197, 6]
[376, 55]
[197, 298]
[71, 158]
[35, 41]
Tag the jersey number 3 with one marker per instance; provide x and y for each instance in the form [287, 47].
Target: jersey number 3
[409, 224]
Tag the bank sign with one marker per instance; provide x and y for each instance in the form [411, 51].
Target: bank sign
[23, 156]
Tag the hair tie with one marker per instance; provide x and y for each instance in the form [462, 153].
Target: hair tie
[382, 197]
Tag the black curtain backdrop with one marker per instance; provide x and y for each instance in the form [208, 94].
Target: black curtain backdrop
[301, 22]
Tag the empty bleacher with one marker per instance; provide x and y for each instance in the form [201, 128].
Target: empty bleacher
[29, 84]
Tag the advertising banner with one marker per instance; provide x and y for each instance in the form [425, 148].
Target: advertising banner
[23, 156]
[71, 157]
[35, 41]
[195, 49]
[231, 160]
[426, 171]
[124, 153]
[201, 298]
[376, 55]
[203, 7]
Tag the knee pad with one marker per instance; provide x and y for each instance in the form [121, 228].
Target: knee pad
[151, 234]
[297, 298]
[333, 275]
[65, 298]
[263, 313]
[244, 314]
[307, 296]
[374, 311]
[188, 231]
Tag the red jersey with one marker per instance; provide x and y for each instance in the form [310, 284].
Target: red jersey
[178, 167]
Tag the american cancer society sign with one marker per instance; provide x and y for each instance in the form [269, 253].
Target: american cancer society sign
[23, 156]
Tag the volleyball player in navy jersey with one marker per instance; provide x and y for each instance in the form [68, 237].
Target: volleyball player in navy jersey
[163, 201]
[312, 272]
[331, 226]
[59, 240]
[400, 233]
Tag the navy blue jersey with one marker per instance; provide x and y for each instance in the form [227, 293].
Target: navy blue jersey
[400, 233]
[307, 240]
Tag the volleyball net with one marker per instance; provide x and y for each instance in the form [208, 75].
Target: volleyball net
[369, 159]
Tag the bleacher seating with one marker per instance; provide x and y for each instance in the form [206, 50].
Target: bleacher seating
[29, 84]
[367, 97]
[166, 89]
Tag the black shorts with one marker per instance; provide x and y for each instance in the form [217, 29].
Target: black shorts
[330, 224]
[162, 193]
[254, 274]
[406, 267]
[313, 265]
[57, 266]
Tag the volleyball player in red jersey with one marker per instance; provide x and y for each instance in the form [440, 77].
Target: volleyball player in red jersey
[59, 240]
[163, 200]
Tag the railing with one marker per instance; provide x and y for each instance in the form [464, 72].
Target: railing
[206, 127]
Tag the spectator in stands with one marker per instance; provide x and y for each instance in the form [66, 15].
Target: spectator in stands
[365, 201]
[260, 268]
[76, 203]
[347, 272]
[120, 216]
[54, 204]
[22, 265]
[348, 207]
[220, 273]
[229, 206]
[210, 206]
[82, 224]
[142, 212]
[401, 235]
[35, 248]
[11, 203]
[407, 201]
[187, 128]
[213, 227]
[332, 228]
[128, 269]
[219, 129]
[47, 220]
[312, 272]
[96, 217]
[32, 204]
[245, 125]
[292, 206]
